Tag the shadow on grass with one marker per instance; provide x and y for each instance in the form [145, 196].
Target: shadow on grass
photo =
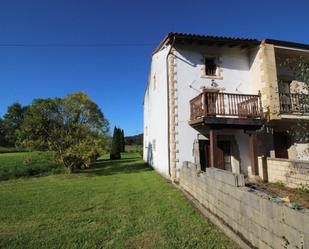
[123, 166]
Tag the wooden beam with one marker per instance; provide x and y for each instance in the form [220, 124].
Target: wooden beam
[252, 154]
[213, 147]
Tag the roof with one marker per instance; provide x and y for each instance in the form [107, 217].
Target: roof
[287, 44]
[223, 40]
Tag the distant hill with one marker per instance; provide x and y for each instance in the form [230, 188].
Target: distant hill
[134, 140]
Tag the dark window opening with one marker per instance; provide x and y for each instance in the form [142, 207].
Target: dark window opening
[210, 66]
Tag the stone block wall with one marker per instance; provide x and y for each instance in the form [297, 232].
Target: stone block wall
[251, 216]
[293, 173]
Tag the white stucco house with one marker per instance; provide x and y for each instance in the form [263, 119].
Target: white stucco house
[222, 102]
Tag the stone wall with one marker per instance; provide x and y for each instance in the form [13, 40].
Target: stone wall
[247, 214]
[293, 173]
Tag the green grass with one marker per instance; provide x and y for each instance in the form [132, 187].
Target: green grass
[23, 164]
[119, 204]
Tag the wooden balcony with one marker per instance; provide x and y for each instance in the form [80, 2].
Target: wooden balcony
[294, 103]
[226, 110]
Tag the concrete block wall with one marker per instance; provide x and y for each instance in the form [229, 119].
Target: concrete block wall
[256, 220]
[293, 173]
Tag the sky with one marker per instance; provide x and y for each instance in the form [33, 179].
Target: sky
[103, 48]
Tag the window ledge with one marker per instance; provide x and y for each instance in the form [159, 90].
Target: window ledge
[212, 77]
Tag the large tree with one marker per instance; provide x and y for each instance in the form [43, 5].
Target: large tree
[12, 122]
[72, 127]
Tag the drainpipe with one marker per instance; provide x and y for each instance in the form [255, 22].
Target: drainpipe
[168, 107]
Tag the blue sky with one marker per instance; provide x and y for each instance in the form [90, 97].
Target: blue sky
[115, 77]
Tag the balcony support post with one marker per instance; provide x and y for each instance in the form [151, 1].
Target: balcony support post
[253, 154]
[213, 147]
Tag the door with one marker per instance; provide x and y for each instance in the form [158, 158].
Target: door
[224, 155]
[281, 144]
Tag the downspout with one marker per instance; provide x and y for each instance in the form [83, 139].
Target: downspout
[168, 107]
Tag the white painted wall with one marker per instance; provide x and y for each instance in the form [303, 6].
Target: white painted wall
[241, 73]
[235, 74]
[155, 115]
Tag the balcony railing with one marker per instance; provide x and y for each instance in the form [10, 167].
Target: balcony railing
[294, 103]
[226, 104]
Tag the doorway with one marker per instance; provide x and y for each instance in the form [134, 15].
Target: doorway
[224, 155]
[281, 144]
[204, 147]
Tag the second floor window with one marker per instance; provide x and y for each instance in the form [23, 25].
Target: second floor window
[210, 66]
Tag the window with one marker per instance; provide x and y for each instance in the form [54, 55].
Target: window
[154, 82]
[210, 66]
[154, 145]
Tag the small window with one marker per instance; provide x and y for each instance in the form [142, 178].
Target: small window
[154, 83]
[210, 66]
[154, 145]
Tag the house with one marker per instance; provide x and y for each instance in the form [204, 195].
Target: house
[227, 103]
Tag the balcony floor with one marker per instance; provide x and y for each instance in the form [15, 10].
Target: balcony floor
[207, 122]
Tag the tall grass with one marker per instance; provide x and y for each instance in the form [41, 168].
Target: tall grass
[11, 150]
[23, 164]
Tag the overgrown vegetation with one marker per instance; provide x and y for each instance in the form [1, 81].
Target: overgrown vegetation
[24, 164]
[116, 204]
[298, 66]
[298, 198]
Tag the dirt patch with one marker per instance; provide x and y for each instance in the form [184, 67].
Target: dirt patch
[278, 192]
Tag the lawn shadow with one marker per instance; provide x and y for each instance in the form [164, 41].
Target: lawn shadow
[126, 165]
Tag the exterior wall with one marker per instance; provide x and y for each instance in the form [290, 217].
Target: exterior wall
[234, 77]
[251, 216]
[299, 151]
[269, 82]
[155, 149]
[244, 71]
[292, 173]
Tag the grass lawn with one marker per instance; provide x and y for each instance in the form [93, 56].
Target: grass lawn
[23, 164]
[120, 204]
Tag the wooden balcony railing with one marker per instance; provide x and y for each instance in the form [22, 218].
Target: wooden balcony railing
[294, 103]
[226, 104]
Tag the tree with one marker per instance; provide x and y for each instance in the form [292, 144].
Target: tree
[3, 141]
[72, 127]
[298, 66]
[116, 145]
[122, 141]
[12, 121]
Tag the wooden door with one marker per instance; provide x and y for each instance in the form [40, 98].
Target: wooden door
[224, 155]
